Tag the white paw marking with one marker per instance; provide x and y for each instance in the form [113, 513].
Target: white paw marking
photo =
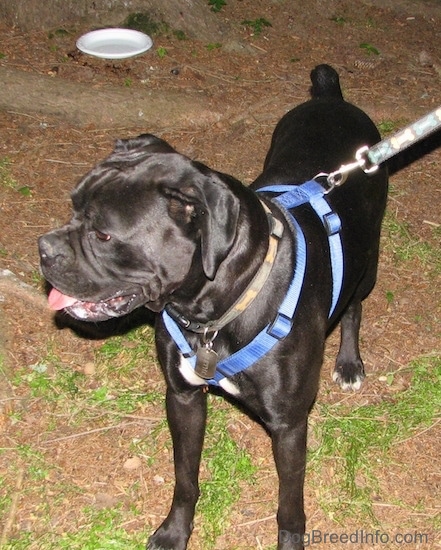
[347, 386]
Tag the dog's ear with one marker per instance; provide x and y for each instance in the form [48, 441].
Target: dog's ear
[142, 143]
[208, 202]
[219, 225]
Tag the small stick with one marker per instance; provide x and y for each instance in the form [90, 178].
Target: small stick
[56, 161]
[13, 509]
[96, 430]
[254, 521]
[417, 434]
[434, 224]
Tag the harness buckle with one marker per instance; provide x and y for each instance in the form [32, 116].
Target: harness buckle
[276, 226]
[332, 223]
[280, 327]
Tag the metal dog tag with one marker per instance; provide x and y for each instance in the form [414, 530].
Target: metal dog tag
[206, 362]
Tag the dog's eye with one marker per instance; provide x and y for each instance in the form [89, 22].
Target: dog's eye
[101, 236]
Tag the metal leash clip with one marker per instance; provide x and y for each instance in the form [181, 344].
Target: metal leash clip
[337, 178]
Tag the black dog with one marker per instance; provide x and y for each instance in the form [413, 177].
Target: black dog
[153, 228]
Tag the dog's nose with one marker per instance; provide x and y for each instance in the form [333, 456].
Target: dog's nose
[49, 251]
[45, 247]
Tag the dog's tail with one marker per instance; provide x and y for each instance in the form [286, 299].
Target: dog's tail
[325, 83]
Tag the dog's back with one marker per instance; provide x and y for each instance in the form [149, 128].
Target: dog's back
[317, 136]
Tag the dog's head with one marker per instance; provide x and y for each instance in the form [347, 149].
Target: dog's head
[144, 220]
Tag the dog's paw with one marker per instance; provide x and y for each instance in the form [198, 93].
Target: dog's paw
[168, 539]
[158, 545]
[154, 544]
[349, 376]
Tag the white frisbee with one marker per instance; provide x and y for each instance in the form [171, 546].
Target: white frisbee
[114, 43]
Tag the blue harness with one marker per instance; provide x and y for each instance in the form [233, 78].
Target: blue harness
[290, 196]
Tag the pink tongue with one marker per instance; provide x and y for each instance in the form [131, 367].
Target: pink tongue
[57, 300]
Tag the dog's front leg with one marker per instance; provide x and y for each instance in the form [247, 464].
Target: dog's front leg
[289, 448]
[186, 414]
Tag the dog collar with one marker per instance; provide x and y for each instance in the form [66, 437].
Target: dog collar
[250, 293]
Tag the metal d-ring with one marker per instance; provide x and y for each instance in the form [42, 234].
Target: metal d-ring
[208, 337]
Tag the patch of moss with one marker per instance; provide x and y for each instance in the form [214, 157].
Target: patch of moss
[142, 21]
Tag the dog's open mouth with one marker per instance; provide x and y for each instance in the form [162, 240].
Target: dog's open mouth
[95, 311]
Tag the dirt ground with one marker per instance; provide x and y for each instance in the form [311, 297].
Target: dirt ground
[388, 55]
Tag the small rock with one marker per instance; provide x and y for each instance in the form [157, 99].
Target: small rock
[132, 463]
[105, 500]
[425, 59]
[89, 368]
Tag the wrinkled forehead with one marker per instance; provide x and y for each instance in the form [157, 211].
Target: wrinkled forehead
[122, 174]
[123, 193]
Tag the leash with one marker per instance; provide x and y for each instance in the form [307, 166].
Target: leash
[369, 158]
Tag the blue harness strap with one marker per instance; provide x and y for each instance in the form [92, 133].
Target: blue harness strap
[290, 196]
[313, 193]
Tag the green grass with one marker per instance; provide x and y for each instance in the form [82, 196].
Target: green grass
[122, 354]
[405, 246]
[369, 49]
[77, 403]
[100, 530]
[228, 465]
[213, 46]
[70, 403]
[387, 126]
[6, 179]
[161, 52]
[216, 5]
[119, 387]
[143, 22]
[357, 440]
[354, 442]
[339, 19]
[256, 25]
